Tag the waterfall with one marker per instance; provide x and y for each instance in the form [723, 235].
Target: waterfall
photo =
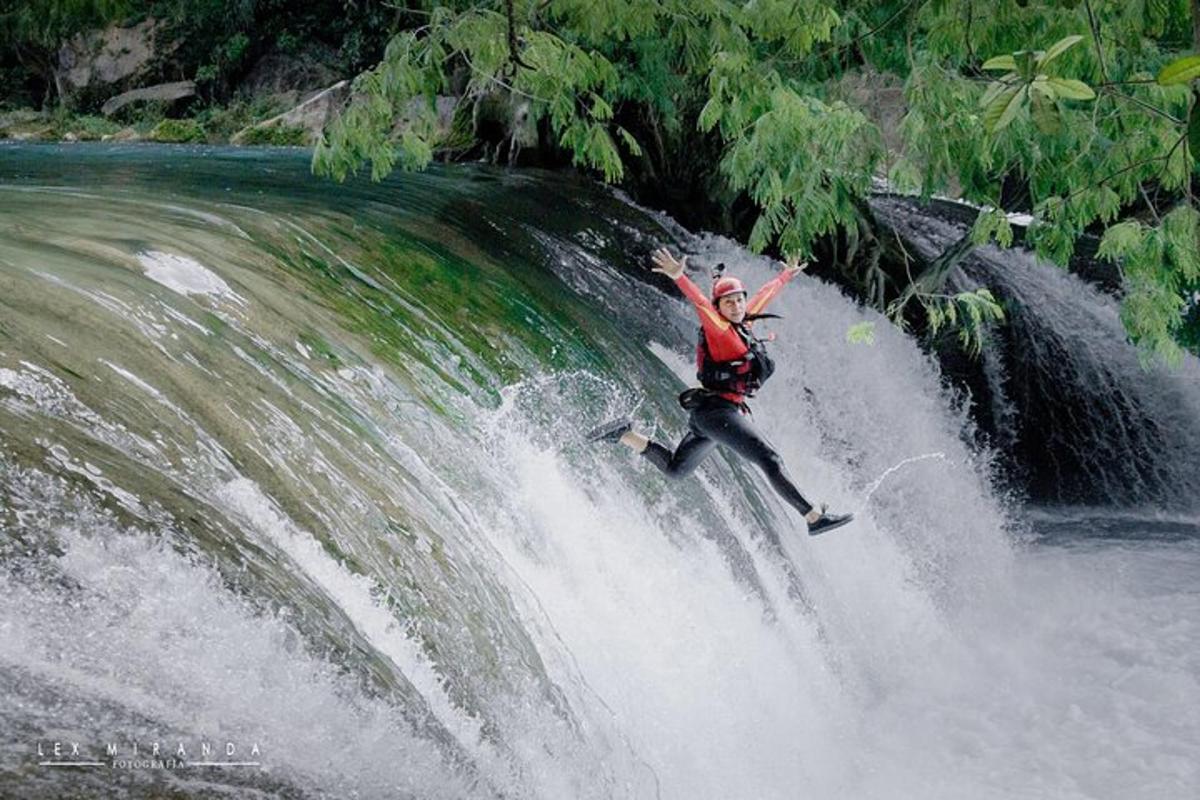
[297, 469]
[1074, 404]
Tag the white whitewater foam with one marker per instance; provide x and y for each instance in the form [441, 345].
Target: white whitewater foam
[163, 651]
[184, 275]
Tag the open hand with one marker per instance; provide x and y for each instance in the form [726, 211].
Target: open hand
[794, 265]
[667, 264]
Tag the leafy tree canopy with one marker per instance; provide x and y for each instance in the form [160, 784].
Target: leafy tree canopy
[1082, 113]
[35, 30]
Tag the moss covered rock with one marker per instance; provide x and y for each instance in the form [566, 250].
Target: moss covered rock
[277, 135]
[177, 131]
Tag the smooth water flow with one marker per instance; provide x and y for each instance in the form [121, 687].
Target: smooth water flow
[297, 468]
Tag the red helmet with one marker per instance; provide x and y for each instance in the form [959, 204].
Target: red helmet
[726, 286]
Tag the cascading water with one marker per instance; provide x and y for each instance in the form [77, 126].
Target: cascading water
[1074, 404]
[296, 469]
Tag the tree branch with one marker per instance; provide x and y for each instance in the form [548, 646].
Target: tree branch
[1153, 109]
[837, 49]
[514, 56]
[1095, 26]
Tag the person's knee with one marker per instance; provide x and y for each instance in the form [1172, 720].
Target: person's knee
[678, 470]
[770, 462]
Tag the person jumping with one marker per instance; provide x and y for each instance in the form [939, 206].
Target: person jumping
[732, 365]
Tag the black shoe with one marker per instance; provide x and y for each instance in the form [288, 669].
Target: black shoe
[610, 431]
[828, 522]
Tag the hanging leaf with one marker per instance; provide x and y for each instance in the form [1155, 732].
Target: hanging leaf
[1010, 111]
[996, 109]
[1071, 89]
[995, 88]
[1057, 49]
[630, 142]
[992, 224]
[1181, 70]
[1120, 240]
[1045, 115]
[1001, 62]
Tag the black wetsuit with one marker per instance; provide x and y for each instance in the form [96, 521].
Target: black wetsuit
[720, 421]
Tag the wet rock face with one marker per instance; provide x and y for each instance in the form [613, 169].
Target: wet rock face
[108, 58]
[279, 73]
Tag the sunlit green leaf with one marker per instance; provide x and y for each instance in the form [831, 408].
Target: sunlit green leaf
[1005, 62]
[1071, 88]
[1181, 70]
[1057, 49]
[995, 88]
[997, 108]
[1014, 105]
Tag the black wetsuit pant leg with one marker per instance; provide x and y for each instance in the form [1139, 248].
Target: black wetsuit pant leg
[718, 421]
[692, 449]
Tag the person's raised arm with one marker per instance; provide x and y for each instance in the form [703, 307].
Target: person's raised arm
[673, 268]
[791, 268]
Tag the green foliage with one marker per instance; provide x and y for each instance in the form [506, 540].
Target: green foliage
[226, 57]
[718, 66]
[46, 24]
[861, 333]
[565, 84]
[88, 127]
[1161, 267]
[968, 314]
[943, 131]
[276, 135]
[1028, 84]
[1084, 129]
[1193, 131]
[992, 224]
[1075, 129]
[1181, 70]
[33, 32]
[178, 131]
[803, 163]
[221, 122]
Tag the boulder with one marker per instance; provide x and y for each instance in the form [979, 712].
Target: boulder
[24, 125]
[32, 135]
[277, 73]
[107, 57]
[22, 116]
[163, 92]
[123, 135]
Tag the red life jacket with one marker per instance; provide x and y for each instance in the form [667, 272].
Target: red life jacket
[728, 349]
[737, 378]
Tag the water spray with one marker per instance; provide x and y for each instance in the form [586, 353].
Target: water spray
[897, 466]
